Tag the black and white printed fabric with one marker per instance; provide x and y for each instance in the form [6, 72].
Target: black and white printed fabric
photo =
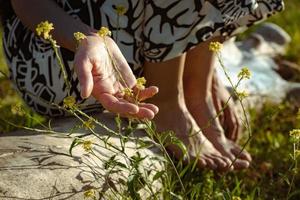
[153, 30]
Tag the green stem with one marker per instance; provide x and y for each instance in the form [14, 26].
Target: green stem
[153, 133]
[61, 65]
[248, 127]
[115, 66]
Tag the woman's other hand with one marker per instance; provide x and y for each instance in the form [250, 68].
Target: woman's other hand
[229, 118]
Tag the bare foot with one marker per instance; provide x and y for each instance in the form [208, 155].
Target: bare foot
[175, 116]
[197, 81]
[204, 114]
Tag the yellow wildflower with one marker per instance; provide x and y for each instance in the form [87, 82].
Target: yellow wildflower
[127, 92]
[236, 198]
[295, 133]
[121, 10]
[17, 110]
[87, 145]
[243, 94]
[104, 31]
[140, 83]
[79, 36]
[90, 194]
[69, 102]
[89, 124]
[215, 46]
[244, 73]
[43, 29]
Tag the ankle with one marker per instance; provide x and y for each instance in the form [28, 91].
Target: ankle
[173, 97]
[194, 87]
[198, 99]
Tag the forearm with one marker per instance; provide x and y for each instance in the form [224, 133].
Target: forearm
[32, 12]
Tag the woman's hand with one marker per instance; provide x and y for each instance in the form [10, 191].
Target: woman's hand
[98, 77]
[229, 118]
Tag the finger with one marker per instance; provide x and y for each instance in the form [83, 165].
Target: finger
[144, 113]
[235, 130]
[149, 106]
[146, 93]
[221, 115]
[238, 129]
[218, 105]
[230, 123]
[121, 62]
[237, 124]
[237, 121]
[83, 68]
[114, 104]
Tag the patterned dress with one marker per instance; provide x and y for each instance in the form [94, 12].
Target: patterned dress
[151, 30]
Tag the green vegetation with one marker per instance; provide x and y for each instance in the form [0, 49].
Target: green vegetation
[2, 61]
[289, 20]
[272, 174]
[9, 98]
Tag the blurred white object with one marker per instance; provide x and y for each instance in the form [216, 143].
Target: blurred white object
[257, 52]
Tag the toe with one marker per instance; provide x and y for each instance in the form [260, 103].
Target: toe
[241, 164]
[228, 162]
[201, 163]
[227, 154]
[244, 155]
[210, 163]
[219, 162]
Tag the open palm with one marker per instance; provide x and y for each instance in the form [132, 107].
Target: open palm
[98, 77]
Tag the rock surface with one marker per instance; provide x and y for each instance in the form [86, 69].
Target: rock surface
[39, 166]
